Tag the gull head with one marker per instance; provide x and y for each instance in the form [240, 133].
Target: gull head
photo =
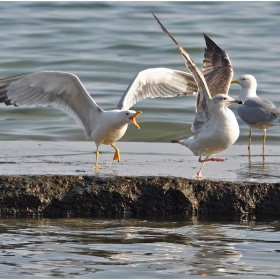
[246, 81]
[130, 116]
[223, 101]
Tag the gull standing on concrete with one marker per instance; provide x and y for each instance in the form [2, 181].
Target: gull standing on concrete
[65, 92]
[257, 113]
[215, 126]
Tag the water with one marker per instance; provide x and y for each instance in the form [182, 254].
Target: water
[107, 43]
[139, 248]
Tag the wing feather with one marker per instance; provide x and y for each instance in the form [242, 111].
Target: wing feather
[217, 68]
[203, 111]
[149, 83]
[61, 90]
[258, 110]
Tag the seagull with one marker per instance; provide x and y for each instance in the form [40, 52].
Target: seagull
[215, 126]
[64, 91]
[257, 113]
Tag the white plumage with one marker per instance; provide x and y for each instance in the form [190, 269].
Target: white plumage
[257, 113]
[65, 92]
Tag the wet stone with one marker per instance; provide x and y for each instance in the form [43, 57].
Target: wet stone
[91, 195]
[57, 179]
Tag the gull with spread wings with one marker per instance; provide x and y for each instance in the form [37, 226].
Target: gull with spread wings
[64, 91]
[215, 126]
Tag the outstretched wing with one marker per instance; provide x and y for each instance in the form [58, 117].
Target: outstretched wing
[64, 91]
[203, 111]
[217, 69]
[157, 82]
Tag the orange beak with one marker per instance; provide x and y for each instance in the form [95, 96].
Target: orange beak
[133, 119]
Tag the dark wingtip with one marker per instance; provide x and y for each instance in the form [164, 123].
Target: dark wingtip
[207, 38]
[174, 141]
[211, 44]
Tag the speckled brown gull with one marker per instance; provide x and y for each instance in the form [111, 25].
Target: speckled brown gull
[215, 126]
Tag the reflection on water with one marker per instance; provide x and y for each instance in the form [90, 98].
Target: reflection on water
[139, 248]
[259, 167]
[263, 158]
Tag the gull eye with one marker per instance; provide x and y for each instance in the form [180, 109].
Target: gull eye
[225, 98]
[243, 79]
[127, 114]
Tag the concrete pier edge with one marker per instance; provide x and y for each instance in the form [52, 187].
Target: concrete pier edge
[57, 179]
[90, 196]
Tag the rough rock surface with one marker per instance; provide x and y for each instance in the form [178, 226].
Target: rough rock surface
[92, 195]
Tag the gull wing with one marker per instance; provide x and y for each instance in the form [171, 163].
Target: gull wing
[217, 69]
[258, 111]
[203, 113]
[61, 90]
[157, 82]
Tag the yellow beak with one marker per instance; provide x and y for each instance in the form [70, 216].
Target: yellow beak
[133, 119]
[234, 81]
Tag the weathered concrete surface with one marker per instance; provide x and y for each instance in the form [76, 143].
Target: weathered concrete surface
[57, 179]
[137, 159]
[89, 196]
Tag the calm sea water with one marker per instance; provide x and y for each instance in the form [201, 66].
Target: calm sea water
[107, 43]
[139, 248]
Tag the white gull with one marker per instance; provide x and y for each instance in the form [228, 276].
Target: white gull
[257, 113]
[65, 92]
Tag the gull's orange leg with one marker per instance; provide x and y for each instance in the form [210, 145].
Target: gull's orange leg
[96, 160]
[264, 137]
[117, 153]
[249, 141]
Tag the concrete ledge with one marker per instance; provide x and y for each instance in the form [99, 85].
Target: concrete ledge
[57, 179]
[90, 196]
[137, 159]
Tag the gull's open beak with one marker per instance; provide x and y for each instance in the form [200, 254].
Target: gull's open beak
[133, 119]
[234, 81]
